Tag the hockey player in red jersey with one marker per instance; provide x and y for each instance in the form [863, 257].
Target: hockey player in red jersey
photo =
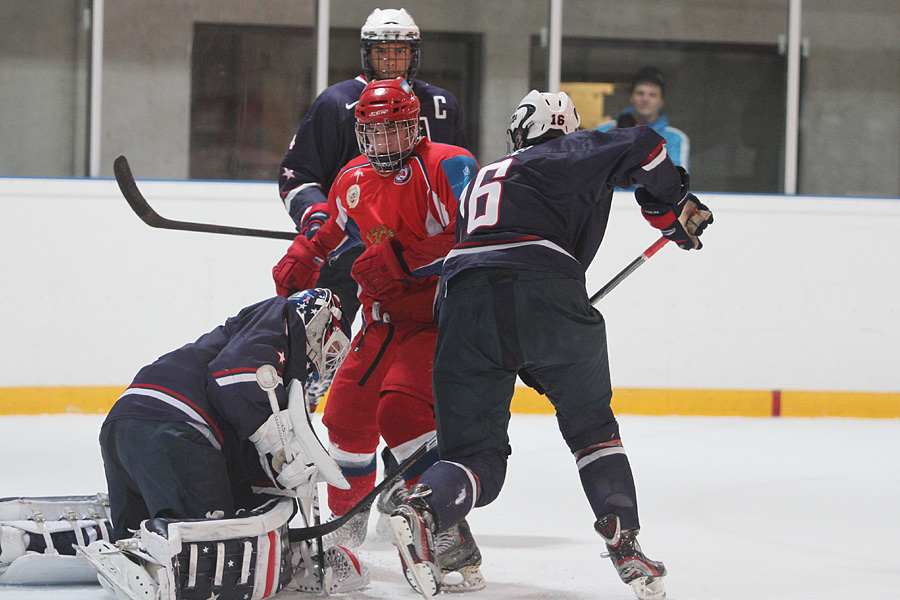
[400, 198]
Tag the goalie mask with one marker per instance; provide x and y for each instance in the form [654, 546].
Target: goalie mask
[541, 117]
[389, 45]
[327, 341]
[387, 124]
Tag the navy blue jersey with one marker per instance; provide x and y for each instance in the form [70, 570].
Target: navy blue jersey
[326, 140]
[211, 383]
[546, 207]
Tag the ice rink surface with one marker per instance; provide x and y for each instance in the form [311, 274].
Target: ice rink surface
[737, 508]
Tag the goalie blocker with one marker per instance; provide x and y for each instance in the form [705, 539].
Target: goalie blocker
[248, 557]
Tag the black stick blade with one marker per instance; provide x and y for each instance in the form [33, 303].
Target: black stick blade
[142, 208]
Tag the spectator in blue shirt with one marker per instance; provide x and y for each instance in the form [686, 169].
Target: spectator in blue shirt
[647, 98]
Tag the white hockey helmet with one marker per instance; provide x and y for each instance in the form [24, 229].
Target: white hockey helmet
[542, 116]
[389, 25]
[327, 332]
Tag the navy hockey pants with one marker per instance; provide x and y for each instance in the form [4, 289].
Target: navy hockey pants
[166, 469]
[495, 323]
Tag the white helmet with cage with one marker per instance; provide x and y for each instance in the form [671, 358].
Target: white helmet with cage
[542, 116]
[327, 332]
[385, 26]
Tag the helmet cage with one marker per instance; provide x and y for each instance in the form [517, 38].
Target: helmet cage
[387, 124]
[389, 25]
[388, 145]
[327, 342]
[541, 117]
[369, 71]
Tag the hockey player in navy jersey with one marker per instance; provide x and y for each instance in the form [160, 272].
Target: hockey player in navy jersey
[326, 138]
[218, 430]
[401, 199]
[515, 302]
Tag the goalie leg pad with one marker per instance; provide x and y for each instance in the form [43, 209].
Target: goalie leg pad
[38, 538]
[244, 557]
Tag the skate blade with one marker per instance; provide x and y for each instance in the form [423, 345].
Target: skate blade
[649, 588]
[419, 575]
[466, 579]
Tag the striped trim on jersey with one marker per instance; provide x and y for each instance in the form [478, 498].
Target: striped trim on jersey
[197, 417]
[239, 375]
[655, 158]
[473, 247]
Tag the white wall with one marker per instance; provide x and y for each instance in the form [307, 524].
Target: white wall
[789, 293]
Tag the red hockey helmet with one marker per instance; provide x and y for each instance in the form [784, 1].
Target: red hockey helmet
[387, 123]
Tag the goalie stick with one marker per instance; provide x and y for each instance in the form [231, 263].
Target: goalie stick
[152, 218]
[300, 534]
[632, 266]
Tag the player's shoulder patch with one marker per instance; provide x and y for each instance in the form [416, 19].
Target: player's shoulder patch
[403, 175]
[459, 170]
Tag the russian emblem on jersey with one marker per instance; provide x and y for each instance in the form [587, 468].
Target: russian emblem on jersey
[353, 196]
[403, 175]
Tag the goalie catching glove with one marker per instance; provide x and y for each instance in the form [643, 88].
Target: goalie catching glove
[682, 223]
[307, 461]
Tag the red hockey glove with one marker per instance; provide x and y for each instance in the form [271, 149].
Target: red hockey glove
[298, 269]
[313, 218]
[682, 223]
[380, 272]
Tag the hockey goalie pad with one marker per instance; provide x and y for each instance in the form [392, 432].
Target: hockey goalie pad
[38, 538]
[247, 557]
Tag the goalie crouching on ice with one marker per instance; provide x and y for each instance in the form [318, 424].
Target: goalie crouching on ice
[206, 452]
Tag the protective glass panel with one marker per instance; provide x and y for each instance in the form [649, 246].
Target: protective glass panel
[44, 86]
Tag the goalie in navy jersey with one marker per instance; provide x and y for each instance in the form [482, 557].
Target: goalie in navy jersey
[326, 138]
[514, 302]
[217, 433]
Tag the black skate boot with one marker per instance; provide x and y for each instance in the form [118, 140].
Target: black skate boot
[645, 576]
[459, 558]
[413, 527]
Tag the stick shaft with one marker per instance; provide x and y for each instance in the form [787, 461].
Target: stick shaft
[631, 268]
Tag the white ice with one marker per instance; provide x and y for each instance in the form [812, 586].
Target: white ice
[737, 508]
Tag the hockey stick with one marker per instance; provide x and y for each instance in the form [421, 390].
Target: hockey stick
[152, 218]
[632, 266]
[307, 533]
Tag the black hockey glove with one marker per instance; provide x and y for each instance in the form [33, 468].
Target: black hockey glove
[682, 223]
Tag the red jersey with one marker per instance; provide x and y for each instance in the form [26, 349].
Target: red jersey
[415, 205]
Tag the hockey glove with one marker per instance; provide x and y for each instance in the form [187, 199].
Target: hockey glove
[682, 223]
[379, 270]
[298, 269]
[313, 218]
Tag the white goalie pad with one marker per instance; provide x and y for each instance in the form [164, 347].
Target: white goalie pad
[38, 537]
[247, 557]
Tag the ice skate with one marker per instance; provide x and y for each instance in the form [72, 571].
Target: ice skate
[389, 499]
[459, 559]
[343, 571]
[352, 534]
[645, 576]
[387, 503]
[413, 526]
